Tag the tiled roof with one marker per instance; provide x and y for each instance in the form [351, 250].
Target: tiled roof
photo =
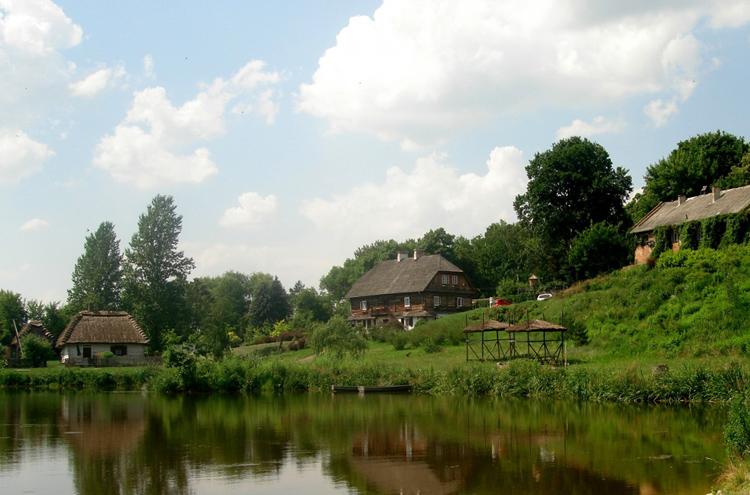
[694, 208]
[102, 327]
[401, 277]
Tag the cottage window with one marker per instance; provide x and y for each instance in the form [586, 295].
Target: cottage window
[445, 279]
[363, 305]
[407, 302]
[119, 350]
[460, 302]
[437, 301]
[455, 279]
[674, 236]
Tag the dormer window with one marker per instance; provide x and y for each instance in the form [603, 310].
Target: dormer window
[363, 305]
[407, 302]
[445, 279]
[454, 279]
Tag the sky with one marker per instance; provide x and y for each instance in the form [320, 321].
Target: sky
[290, 133]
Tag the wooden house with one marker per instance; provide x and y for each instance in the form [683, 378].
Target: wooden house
[92, 332]
[33, 327]
[408, 289]
[685, 209]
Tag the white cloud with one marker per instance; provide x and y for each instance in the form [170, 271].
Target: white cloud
[37, 26]
[92, 84]
[32, 35]
[35, 224]
[660, 111]
[599, 125]
[419, 72]
[148, 66]
[252, 211]
[21, 155]
[151, 146]
[408, 204]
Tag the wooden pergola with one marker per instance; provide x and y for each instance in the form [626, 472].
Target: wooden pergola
[532, 339]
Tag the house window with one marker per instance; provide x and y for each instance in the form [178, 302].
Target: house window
[87, 352]
[407, 302]
[445, 279]
[460, 302]
[674, 237]
[119, 350]
[455, 279]
[363, 305]
[437, 301]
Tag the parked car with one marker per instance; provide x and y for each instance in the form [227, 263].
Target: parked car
[500, 302]
[543, 297]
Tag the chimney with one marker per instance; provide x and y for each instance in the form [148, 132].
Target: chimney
[716, 192]
[91, 307]
[401, 256]
[418, 253]
[681, 199]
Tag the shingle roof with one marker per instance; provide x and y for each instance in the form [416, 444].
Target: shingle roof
[102, 327]
[401, 277]
[694, 208]
[35, 327]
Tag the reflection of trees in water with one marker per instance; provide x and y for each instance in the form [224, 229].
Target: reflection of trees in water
[27, 420]
[128, 443]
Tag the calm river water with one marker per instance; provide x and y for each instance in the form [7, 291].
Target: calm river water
[325, 443]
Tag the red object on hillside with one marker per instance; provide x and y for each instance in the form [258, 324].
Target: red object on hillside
[501, 302]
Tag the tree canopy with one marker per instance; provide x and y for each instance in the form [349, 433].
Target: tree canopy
[155, 271]
[13, 315]
[571, 187]
[97, 275]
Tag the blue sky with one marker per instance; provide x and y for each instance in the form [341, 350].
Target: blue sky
[290, 133]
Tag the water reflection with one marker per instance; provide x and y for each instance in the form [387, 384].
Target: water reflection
[320, 443]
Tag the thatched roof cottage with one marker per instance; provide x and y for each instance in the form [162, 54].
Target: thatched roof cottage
[92, 332]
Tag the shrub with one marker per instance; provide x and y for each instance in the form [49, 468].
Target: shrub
[737, 429]
[338, 338]
[36, 349]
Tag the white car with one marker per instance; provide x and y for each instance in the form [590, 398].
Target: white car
[543, 297]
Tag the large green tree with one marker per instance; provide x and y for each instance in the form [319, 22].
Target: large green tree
[13, 315]
[571, 187]
[97, 275]
[155, 271]
[269, 304]
[600, 248]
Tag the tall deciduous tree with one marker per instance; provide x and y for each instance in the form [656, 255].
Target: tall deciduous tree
[97, 276]
[571, 187]
[11, 310]
[155, 271]
[697, 162]
[269, 303]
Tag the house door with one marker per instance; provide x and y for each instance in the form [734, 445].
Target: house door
[87, 352]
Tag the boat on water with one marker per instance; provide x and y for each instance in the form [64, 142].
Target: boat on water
[371, 389]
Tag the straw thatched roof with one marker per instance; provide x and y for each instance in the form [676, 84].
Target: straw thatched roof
[486, 325]
[694, 208]
[35, 327]
[402, 277]
[102, 327]
[536, 326]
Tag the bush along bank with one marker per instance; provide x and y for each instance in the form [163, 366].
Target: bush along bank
[521, 378]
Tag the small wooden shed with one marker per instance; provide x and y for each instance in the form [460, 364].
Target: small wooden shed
[34, 327]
